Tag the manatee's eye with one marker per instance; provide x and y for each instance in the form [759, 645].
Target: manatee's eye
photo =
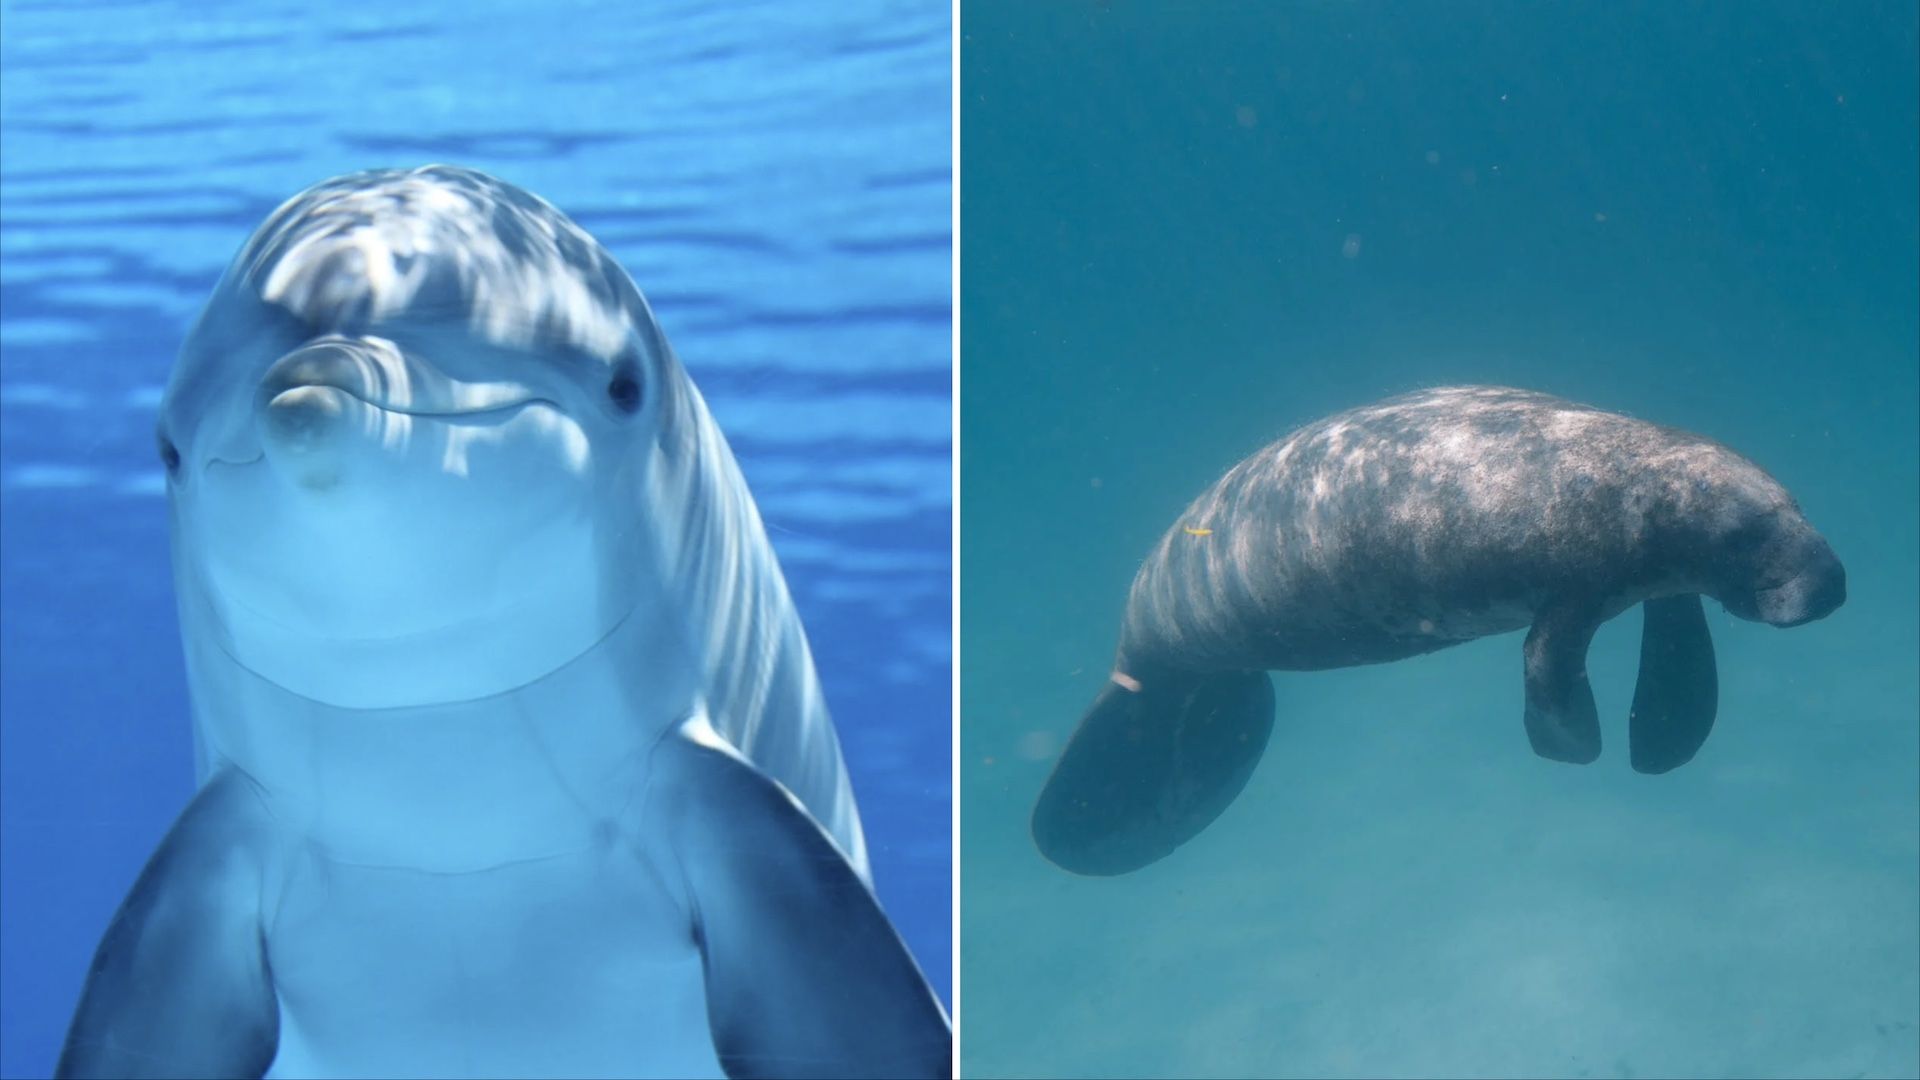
[624, 390]
[169, 454]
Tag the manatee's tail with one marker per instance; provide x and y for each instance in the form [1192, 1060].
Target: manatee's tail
[1154, 761]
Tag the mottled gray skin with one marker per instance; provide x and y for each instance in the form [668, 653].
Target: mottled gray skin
[1405, 527]
[1446, 515]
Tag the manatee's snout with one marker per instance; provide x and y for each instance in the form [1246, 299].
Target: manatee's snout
[1815, 592]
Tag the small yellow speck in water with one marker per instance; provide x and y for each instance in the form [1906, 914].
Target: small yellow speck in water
[1191, 531]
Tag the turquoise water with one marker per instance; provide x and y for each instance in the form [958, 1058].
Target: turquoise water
[1187, 229]
[775, 176]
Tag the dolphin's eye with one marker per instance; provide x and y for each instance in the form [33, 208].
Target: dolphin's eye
[624, 391]
[169, 454]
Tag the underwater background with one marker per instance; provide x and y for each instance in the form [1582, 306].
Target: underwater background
[774, 175]
[1187, 229]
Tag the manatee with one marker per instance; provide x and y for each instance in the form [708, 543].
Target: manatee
[1405, 527]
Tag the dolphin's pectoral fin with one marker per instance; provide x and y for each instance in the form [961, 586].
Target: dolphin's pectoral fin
[1154, 761]
[805, 976]
[1562, 722]
[179, 985]
[1678, 688]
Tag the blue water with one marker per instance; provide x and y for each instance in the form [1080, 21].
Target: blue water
[775, 176]
[1187, 229]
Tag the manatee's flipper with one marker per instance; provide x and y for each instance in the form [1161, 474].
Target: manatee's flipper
[1678, 688]
[805, 976]
[1154, 761]
[1562, 723]
[180, 986]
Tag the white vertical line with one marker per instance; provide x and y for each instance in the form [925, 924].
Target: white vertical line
[953, 360]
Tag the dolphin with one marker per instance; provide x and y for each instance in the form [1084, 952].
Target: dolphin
[511, 756]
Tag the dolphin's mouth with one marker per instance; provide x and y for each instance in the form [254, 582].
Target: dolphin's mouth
[316, 429]
[489, 416]
[427, 410]
[378, 374]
